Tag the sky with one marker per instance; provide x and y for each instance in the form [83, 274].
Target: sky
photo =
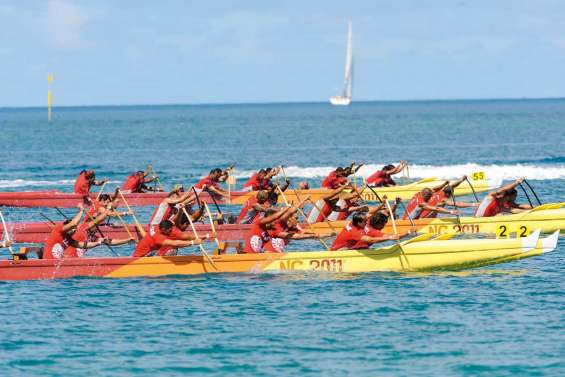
[193, 52]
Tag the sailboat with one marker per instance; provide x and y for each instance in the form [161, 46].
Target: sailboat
[345, 98]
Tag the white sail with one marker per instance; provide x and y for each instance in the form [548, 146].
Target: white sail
[345, 98]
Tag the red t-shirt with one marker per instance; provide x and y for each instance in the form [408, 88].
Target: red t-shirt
[348, 238]
[413, 207]
[81, 235]
[133, 183]
[379, 179]
[82, 186]
[436, 199]
[205, 183]
[256, 238]
[489, 207]
[149, 243]
[176, 234]
[248, 214]
[320, 211]
[371, 232]
[277, 244]
[56, 236]
[332, 181]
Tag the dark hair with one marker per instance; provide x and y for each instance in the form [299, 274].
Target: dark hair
[388, 167]
[181, 219]
[358, 218]
[379, 220]
[104, 197]
[339, 169]
[511, 192]
[448, 190]
[216, 170]
[140, 172]
[166, 225]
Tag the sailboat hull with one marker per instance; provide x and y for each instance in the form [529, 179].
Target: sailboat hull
[340, 101]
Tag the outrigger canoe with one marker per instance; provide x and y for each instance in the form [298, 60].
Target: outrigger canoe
[67, 200]
[419, 254]
[547, 218]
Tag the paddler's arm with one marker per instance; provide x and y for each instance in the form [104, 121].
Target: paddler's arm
[335, 192]
[119, 241]
[398, 168]
[226, 173]
[273, 172]
[459, 181]
[182, 243]
[218, 191]
[387, 237]
[100, 183]
[196, 215]
[438, 209]
[460, 204]
[509, 186]
[86, 245]
[74, 222]
[440, 187]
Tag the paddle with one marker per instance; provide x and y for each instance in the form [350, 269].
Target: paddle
[62, 213]
[396, 233]
[202, 250]
[197, 197]
[102, 235]
[527, 196]
[533, 192]
[472, 189]
[409, 218]
[456, 208]
[47, 218]
[6, 234]
[101, 190]
[156, 181]
[305, 217]
[128, 207]
[374, 192]
[212, 223]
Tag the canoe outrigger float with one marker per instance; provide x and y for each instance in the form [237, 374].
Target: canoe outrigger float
[547, 218]
[421, 253]
[67, 200]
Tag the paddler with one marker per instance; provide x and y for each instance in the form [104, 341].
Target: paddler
[445, 197]
[211, 183]
[325, 205]
[502, 201]
[261, 180]
[162, 237]
[383, 177]
[182, 232]
[420, 203]
[335, 179]
[85, 233]
[254, 207]
[168, 207]
[137, 182]
[284, 230]
[61, 235]
[354, 235]
[258, 236]
[85, 180]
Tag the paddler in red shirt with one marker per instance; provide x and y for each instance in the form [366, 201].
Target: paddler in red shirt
[61, 238]
[353, 235]
[168, 206]
[444, 197]
[137, 182]
[335, 179]
[181, 231]
[501, 201]
[258, 236]
[85, 180]
[383, 177]
[162, 237]
[419, 203]
[324, 206]
[284, 230]
[211, 183]
[254, 207]
[261, 180]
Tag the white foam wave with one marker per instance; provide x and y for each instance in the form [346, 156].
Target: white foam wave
[495, 172]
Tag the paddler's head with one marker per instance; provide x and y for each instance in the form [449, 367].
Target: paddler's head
[340, 172]
[182, 222]
[292, 222]
[140, 173]
[426, 194]
[177, 189]
[448, 191]
[90, 175]
[104, 199]
[510, 195]
[359, 220]
[215, 174]
[388, 168]
[262, 196]
[303, 185]
[379, 220]
[69, 232]
[165, 227]
[261, 174]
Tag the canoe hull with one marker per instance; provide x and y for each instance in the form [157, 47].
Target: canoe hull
[68, 200]
[412, 255]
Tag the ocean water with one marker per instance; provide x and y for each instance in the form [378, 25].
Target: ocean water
[497, 321]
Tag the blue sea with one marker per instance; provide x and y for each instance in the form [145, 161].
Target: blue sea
[504, 320]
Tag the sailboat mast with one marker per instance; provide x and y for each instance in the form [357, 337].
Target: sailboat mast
[347, 89]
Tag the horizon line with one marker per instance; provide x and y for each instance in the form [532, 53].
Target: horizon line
[287, 102]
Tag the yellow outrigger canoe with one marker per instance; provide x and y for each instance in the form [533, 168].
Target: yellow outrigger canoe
[547, 218]
[422, 253]
[405, 192]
